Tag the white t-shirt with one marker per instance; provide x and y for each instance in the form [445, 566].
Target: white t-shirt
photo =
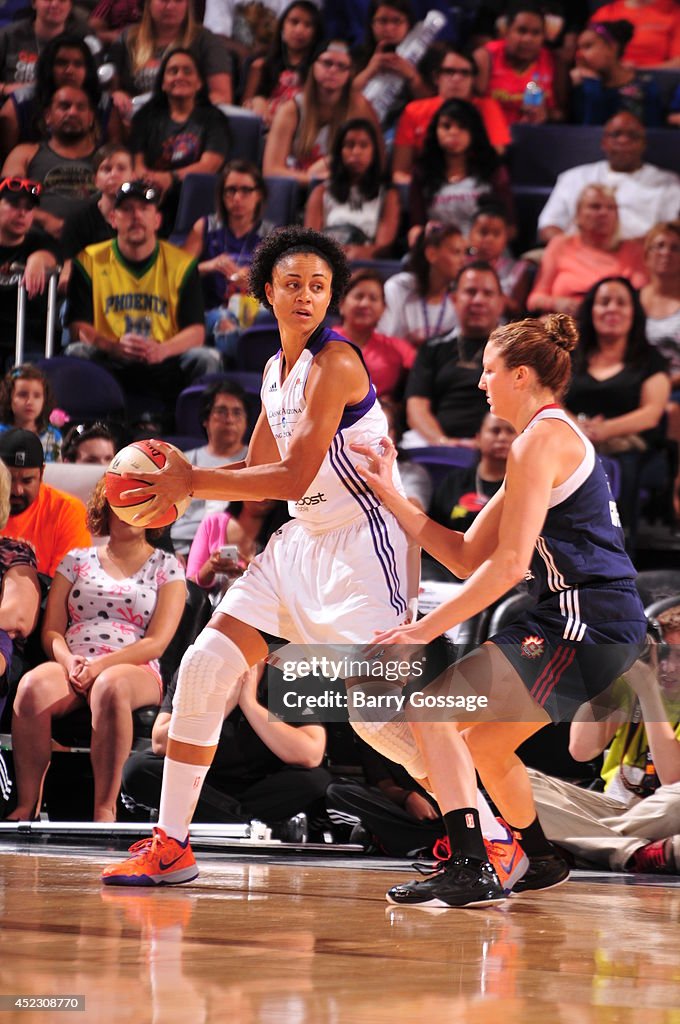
[644, 197]
[407, 315]
[664, 334]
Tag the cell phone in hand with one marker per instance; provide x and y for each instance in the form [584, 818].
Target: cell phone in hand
[229, 551]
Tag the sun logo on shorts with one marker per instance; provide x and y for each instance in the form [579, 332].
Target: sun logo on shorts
[532, 647]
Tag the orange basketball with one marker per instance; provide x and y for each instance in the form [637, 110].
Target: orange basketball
[139, 458]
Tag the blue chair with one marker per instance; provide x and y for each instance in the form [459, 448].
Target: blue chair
[196, 200]
[83, 389]
[439, 459]
[246, 134]
[386, 268]
[283, 198]
[255, 346]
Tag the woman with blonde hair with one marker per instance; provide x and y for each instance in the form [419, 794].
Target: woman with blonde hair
[165, 25]
[111, 612]
[572, 263]
[303, 131]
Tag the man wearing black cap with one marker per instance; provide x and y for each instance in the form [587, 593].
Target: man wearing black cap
[135, 303]
[19, 198]
[51, 521]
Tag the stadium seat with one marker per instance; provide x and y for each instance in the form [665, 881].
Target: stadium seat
[283, 197]
[255, 346]
[439, 459]
[196, 200]
[246, 134]
[654, 585]
[83, 389]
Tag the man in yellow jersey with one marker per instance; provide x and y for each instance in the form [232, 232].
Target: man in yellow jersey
[135, 303]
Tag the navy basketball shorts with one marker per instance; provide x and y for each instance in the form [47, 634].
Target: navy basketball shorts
[571, 647]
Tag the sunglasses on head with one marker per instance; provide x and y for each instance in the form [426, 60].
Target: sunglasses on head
[31, 188]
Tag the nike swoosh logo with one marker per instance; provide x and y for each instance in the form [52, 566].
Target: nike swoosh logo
[508, 865]
[164, 867]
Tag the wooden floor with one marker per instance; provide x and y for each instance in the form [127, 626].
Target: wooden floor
[293, 942]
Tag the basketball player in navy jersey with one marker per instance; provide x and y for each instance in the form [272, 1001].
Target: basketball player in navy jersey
[554, 522]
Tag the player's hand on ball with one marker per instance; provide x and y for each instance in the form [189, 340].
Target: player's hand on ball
[166, 487]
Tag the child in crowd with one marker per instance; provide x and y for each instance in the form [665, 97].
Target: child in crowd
[489, 237]
[26, 402]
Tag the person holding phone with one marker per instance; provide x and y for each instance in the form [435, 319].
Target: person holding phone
[226, 542]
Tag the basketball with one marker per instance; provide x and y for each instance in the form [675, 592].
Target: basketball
[140, 458]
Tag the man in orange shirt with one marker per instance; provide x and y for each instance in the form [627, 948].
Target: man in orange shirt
[51, 521]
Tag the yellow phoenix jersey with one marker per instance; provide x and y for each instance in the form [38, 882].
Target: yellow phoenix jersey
[128, 299]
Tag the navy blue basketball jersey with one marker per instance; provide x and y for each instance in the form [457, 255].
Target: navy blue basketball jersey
[581, 541]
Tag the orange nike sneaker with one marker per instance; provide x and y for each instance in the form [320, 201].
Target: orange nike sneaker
[159, 860]
[508, 858]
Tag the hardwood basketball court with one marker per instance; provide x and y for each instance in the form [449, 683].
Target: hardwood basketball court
[291, 938]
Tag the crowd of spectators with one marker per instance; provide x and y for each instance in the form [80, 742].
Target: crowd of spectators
[109, 110]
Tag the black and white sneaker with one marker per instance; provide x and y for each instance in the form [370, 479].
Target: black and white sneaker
[544, 873]
[459, 882]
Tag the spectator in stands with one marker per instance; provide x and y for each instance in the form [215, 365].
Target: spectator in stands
[51, 521]
[145, 326]
[88, 444]
[388, 25]
[66, 60]
[94, 222]
[464, 491]
[444, 404]
[111, 612]
[280, 75]
[26, 402]
[458, 165]
[660, 300]
[415, 479]
[63, 163]
[354, 204]
[656, 41]
[22, 42]
[301, 137]
[418, 300]
[619, 387]
[19, 593]
[178, 132]
[572, 263]
[635, 824]
[224, 242]
[248, 525]
[602, 84]
[20, 244]
[508, 65]
[166, 25]
[224, 417]
[110, 18]
[489, 240]
[645, 194]
[453, 76]
[388, 359]
[263, 768]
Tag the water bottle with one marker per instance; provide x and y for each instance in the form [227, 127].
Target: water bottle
[383, 89]
[533, 99]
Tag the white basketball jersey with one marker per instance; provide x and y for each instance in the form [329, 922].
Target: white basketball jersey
[338, 494]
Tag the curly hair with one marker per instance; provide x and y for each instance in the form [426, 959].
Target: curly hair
[99, 510]
[289, 241]
[25, 371]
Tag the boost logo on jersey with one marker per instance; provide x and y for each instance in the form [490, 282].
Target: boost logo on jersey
[310, 499]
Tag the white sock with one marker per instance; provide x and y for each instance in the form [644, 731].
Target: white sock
[489, 823]
[181, 789]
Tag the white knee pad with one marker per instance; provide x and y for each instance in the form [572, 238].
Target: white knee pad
[208, 674]
[395, 741]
